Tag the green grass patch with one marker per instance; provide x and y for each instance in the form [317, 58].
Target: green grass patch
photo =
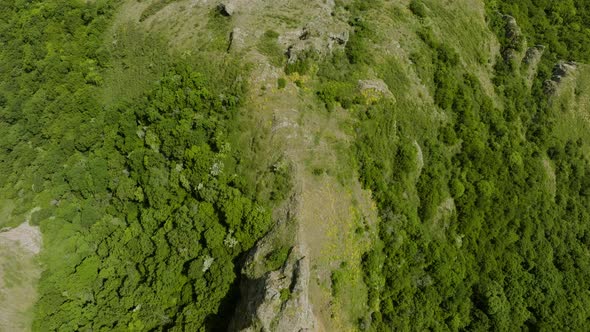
[269, 46]
[6, 208]
[153, 8]
[218, 29]
[137, 60]
[277, 258]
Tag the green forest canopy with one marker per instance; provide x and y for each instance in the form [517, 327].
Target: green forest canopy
[143, 213]
[514, 253]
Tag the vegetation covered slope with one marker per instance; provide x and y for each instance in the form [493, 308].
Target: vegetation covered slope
[473, 234]
[141, 209]
[134, 158]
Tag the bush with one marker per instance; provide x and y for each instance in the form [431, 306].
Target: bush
[338, 279]
[418, 8]
[358, 46]
[269, 46]
[277, 258]
[303, 64]
[333, 92]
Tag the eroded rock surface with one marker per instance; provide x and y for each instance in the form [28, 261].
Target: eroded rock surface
[275, 300]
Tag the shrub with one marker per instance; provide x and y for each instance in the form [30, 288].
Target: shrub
[277, 258]
[338, 279]
[269, 46]
[418, 8]
[303, 64]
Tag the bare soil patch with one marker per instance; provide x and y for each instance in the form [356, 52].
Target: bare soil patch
[19, 273]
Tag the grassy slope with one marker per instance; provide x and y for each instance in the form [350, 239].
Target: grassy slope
[422, 124]
[572, 103]
[291, 126]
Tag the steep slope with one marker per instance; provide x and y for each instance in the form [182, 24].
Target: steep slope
[571, 101]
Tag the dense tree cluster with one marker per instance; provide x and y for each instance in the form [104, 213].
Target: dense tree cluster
[163, 254]
[142, 208]
[492, 232]
[562, 26]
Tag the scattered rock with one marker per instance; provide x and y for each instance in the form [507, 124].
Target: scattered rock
[237, 39]
[307, 42]
[226, 9]
[305, 34]
[375, 85]
[512, 28]
[562, 69]
[531, 61]
[516, 40]
[550, 87]
[279, 123]
[312, 39]
[229, 7]
[510, 55]
[339, 39]
[533, 55]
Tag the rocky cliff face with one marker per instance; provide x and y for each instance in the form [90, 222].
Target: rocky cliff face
[275, 281]
[276, 300]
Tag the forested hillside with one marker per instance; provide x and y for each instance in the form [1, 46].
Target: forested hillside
[486, 236]
[141, 209]
[275, 166]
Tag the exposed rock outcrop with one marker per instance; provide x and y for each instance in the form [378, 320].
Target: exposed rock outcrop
[374, 88]
[229, 7]
[533, 55]
[338, 39]
[531, 61]
[312, 40]
[512, 29]
[516, 40]
[276, 300]
[317, 32]
[237, 39]
[561, 70]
